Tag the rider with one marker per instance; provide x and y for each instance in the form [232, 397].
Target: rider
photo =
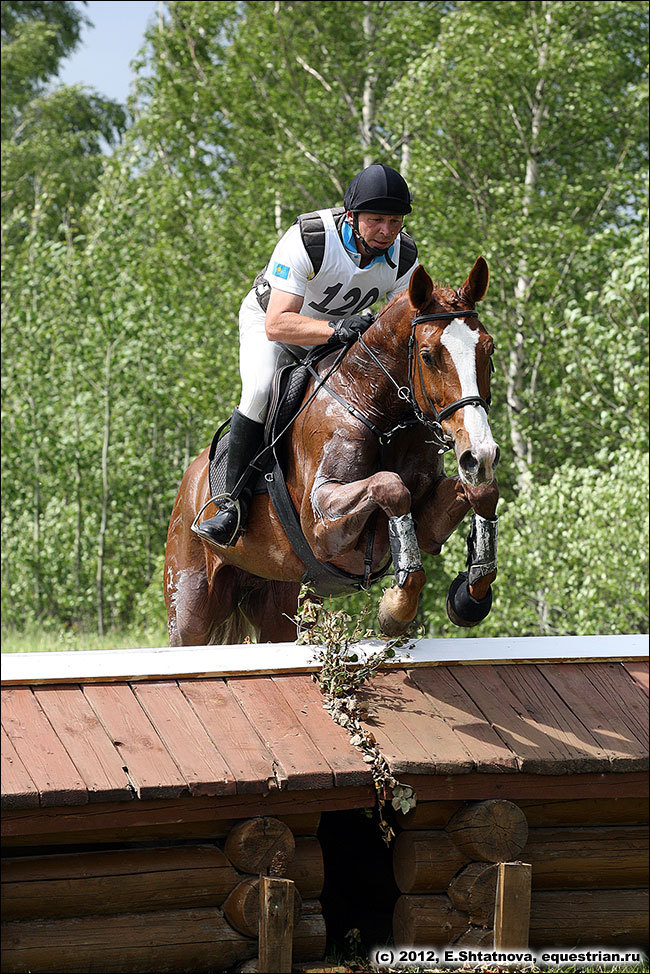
[302, 306]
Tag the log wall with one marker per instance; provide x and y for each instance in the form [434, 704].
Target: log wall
[589, 871]
[183, 907]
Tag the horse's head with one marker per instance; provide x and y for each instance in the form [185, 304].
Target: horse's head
[449, 362]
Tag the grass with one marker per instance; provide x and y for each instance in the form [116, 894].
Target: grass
[44, 641]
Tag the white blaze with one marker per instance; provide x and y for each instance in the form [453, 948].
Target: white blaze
[460, 341]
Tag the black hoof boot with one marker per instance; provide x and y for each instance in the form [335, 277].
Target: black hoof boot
[462, 608]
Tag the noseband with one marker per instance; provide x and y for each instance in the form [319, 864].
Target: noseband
[407, 393]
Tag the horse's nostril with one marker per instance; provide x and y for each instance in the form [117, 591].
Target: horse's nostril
[497, 457]
[468, 462]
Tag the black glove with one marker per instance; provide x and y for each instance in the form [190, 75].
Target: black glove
[347, 330]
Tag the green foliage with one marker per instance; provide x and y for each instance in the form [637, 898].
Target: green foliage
[36, 36]
[342, 675]
[52, 140]
[522, 130]
[577, 553]
[34, 639]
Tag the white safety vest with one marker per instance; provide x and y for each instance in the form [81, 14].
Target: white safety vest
[341, 287]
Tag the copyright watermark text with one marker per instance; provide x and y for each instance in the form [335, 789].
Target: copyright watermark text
[382, 957]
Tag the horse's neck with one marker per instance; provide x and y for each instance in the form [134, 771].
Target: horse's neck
[366, 385]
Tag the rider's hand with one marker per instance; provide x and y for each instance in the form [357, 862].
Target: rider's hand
[347, 330]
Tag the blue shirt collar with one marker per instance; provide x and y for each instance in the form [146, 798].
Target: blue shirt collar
[350, 244]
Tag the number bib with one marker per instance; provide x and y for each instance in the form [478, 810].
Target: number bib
[340, 288]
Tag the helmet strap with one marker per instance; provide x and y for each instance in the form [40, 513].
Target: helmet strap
[373, 251]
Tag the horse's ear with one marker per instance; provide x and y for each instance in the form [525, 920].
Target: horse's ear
[420, 288]
[475, 287]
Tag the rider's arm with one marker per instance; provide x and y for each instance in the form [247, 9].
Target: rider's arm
[284, 323]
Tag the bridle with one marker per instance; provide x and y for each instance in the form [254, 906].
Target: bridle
[407, 393]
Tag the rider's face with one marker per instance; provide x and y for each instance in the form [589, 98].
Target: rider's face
[380, 229]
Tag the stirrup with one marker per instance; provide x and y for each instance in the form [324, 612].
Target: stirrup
[217, 500]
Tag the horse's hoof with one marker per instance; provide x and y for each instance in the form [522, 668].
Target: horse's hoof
[389, 623]
[390, 626]
[462, 608]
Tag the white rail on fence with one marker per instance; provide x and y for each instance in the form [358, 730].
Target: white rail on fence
[273, 658]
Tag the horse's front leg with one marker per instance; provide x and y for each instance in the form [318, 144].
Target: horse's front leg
[341, 511]
[438, 516]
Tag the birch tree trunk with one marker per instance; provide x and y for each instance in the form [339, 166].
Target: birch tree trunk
[150, 496]
[36, 522]
[368, 101]
[517, 365]
[101, 541]
[78, 502]
[36, 438]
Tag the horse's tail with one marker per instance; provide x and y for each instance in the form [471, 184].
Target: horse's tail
[233, 630]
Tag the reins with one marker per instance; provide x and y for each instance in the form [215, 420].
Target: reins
[405, 393]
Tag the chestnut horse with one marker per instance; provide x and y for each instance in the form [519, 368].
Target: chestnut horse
[418, 382]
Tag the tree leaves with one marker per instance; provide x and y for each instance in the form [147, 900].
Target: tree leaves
[521, 129]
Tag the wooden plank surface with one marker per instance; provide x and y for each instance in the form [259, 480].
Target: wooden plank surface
[185, 737]
[626, 698]
[113, 821]
[594, 699]
[464, 719]
[260, 734]
[639, 672]
[281, 731]
[532, 720]
[85, 740]
[40, 750]
[149, 766]
[333, 741]
[252, 764]
[205, 661]
[401, 735]
[408, 729]
[546, 706]
[18, 789]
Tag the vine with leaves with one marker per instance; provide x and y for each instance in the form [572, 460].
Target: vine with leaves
[341, 676]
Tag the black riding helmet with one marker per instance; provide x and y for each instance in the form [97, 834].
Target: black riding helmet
[377, 189]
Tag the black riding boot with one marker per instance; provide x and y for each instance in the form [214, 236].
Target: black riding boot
[245, 442]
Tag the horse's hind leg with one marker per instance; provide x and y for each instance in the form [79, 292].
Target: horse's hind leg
[198, 604]
[271, 608]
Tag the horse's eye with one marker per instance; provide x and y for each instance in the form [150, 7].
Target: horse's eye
[427, 358]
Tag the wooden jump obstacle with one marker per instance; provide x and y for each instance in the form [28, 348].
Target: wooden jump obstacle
[149, 796]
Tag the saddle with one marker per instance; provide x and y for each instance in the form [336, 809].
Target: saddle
[287, 394]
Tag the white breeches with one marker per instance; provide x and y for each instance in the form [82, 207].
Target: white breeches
[258, 360]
